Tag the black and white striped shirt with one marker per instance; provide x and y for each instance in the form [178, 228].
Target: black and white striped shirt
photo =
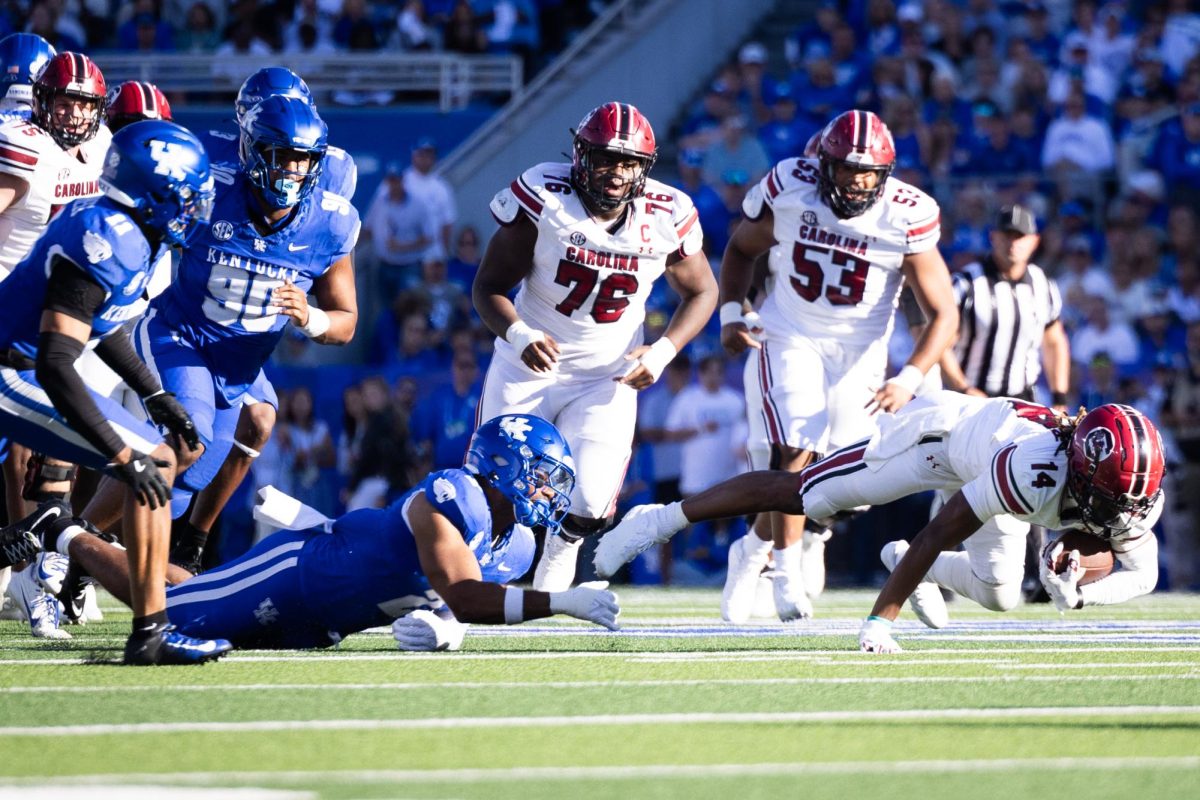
[1001, 326]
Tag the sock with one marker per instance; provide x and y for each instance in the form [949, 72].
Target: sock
[150, 624]
[757, 549]
[66, 537]
[674, 517]
[191, 543]
[787, 559]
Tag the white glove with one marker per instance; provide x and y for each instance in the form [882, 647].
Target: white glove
[1063, 587]
[592, 602]
[425, 631]
[875, 636]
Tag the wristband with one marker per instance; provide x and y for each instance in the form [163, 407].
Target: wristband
[731, 312]
[520, 335]
[910, 378]
[1058, 398]
[318, 323]
[514, 606]
[661, 353]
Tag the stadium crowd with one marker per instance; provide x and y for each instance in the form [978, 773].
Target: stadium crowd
[1088, 115]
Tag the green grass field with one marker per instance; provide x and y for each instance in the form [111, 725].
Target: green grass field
[1102, 704]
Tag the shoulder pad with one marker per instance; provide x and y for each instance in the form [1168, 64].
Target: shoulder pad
[456, 495]
[21, 147]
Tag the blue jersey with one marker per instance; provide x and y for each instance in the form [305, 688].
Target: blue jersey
[366, 572]
[220, 301]
[339, 173]
[100, 238]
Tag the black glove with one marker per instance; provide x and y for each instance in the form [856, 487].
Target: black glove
[165, 410]
[142, 475]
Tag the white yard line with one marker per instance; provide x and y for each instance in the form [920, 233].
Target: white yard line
[598, 684]
[596, 720]
[628, 772]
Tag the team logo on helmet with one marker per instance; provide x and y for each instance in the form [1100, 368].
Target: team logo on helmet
[1099, 444]
[222, 230]
[578, 239]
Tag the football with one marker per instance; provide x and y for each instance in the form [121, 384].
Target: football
[1095, 555]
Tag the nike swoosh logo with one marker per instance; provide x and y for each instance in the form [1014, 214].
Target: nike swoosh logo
[138, 466]
[50, 514]
[295, 248]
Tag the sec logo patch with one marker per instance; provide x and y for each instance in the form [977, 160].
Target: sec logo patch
[222, 230]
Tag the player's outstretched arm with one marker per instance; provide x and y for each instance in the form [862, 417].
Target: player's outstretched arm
[751, 238]
[506, 262]
[454, 574]
[952, 525]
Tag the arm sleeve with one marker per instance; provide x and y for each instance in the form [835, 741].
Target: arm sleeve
[117, 351]
[56, 373]
[72, 291]
[1137, 576]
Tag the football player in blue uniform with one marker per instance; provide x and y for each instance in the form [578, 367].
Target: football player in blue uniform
[22, 56]
[223, 474]
[457, 537]
[80, 282]
[274, 237]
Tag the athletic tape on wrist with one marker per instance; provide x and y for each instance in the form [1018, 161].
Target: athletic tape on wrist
[318, 323]
[731, 312]
[520, 335]
[910, 378]
[658, 356]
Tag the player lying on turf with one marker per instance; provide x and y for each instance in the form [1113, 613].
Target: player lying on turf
[1008, 463]
[448, 539]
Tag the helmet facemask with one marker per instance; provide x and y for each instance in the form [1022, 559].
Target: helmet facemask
[844, 198]
[1102, 513]
[282, 187]
[66, 133]
[589, 177]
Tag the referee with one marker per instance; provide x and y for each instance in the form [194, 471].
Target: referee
[1010, 326]
[1009, 330]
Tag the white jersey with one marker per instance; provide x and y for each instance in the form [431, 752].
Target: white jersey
[54, 179]
[1009, 455]
[588, 287]
[838, 277]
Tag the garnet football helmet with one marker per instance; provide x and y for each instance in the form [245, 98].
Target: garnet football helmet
[134, 101]
[616, 128]
[22, 56]
[1114, 468]
[72, 75]
[859, 140]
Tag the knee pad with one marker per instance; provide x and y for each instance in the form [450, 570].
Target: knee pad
[39, 472]
[580, 527]
[1001, 596]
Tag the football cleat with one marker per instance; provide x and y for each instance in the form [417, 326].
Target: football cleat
[23, 540]
[791, 602]
[556, 568]
[741, 580]
[42, 610]
[639, 530]
[167, 646]
[927, 601]
[50, 571]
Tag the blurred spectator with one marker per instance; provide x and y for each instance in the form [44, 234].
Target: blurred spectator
[243, 41]
[815, 37]
[145, 31]
[309, 449]
[445, 417]
[1181, 35]
[1183, 418]
[1162, 339]
[311, 27]
[412, 28]
[818, 95]
[735, 151]
[387, 461]
[703, 125]
[654, 405]
[1176, 154]
[463, 34]
[512, 25]
[448, 306]
[1098, 384]
[1110, 47]
[354, 430]
[464, 263]
[705, 418]
[718, 222]
[785, 134]
[1081, 278]
[200, 33]
[431, 189]
[1043, 44]
[1102, 334]
[45, 19]
[1075, 141]
[401, 229]
[756, 84]
[911, 137]
[1184, 297]
[354, 29]
[413, 350]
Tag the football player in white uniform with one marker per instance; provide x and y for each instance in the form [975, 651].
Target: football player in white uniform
[46, 161]
[1007, 464]
[842, 237]
[585, 241]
